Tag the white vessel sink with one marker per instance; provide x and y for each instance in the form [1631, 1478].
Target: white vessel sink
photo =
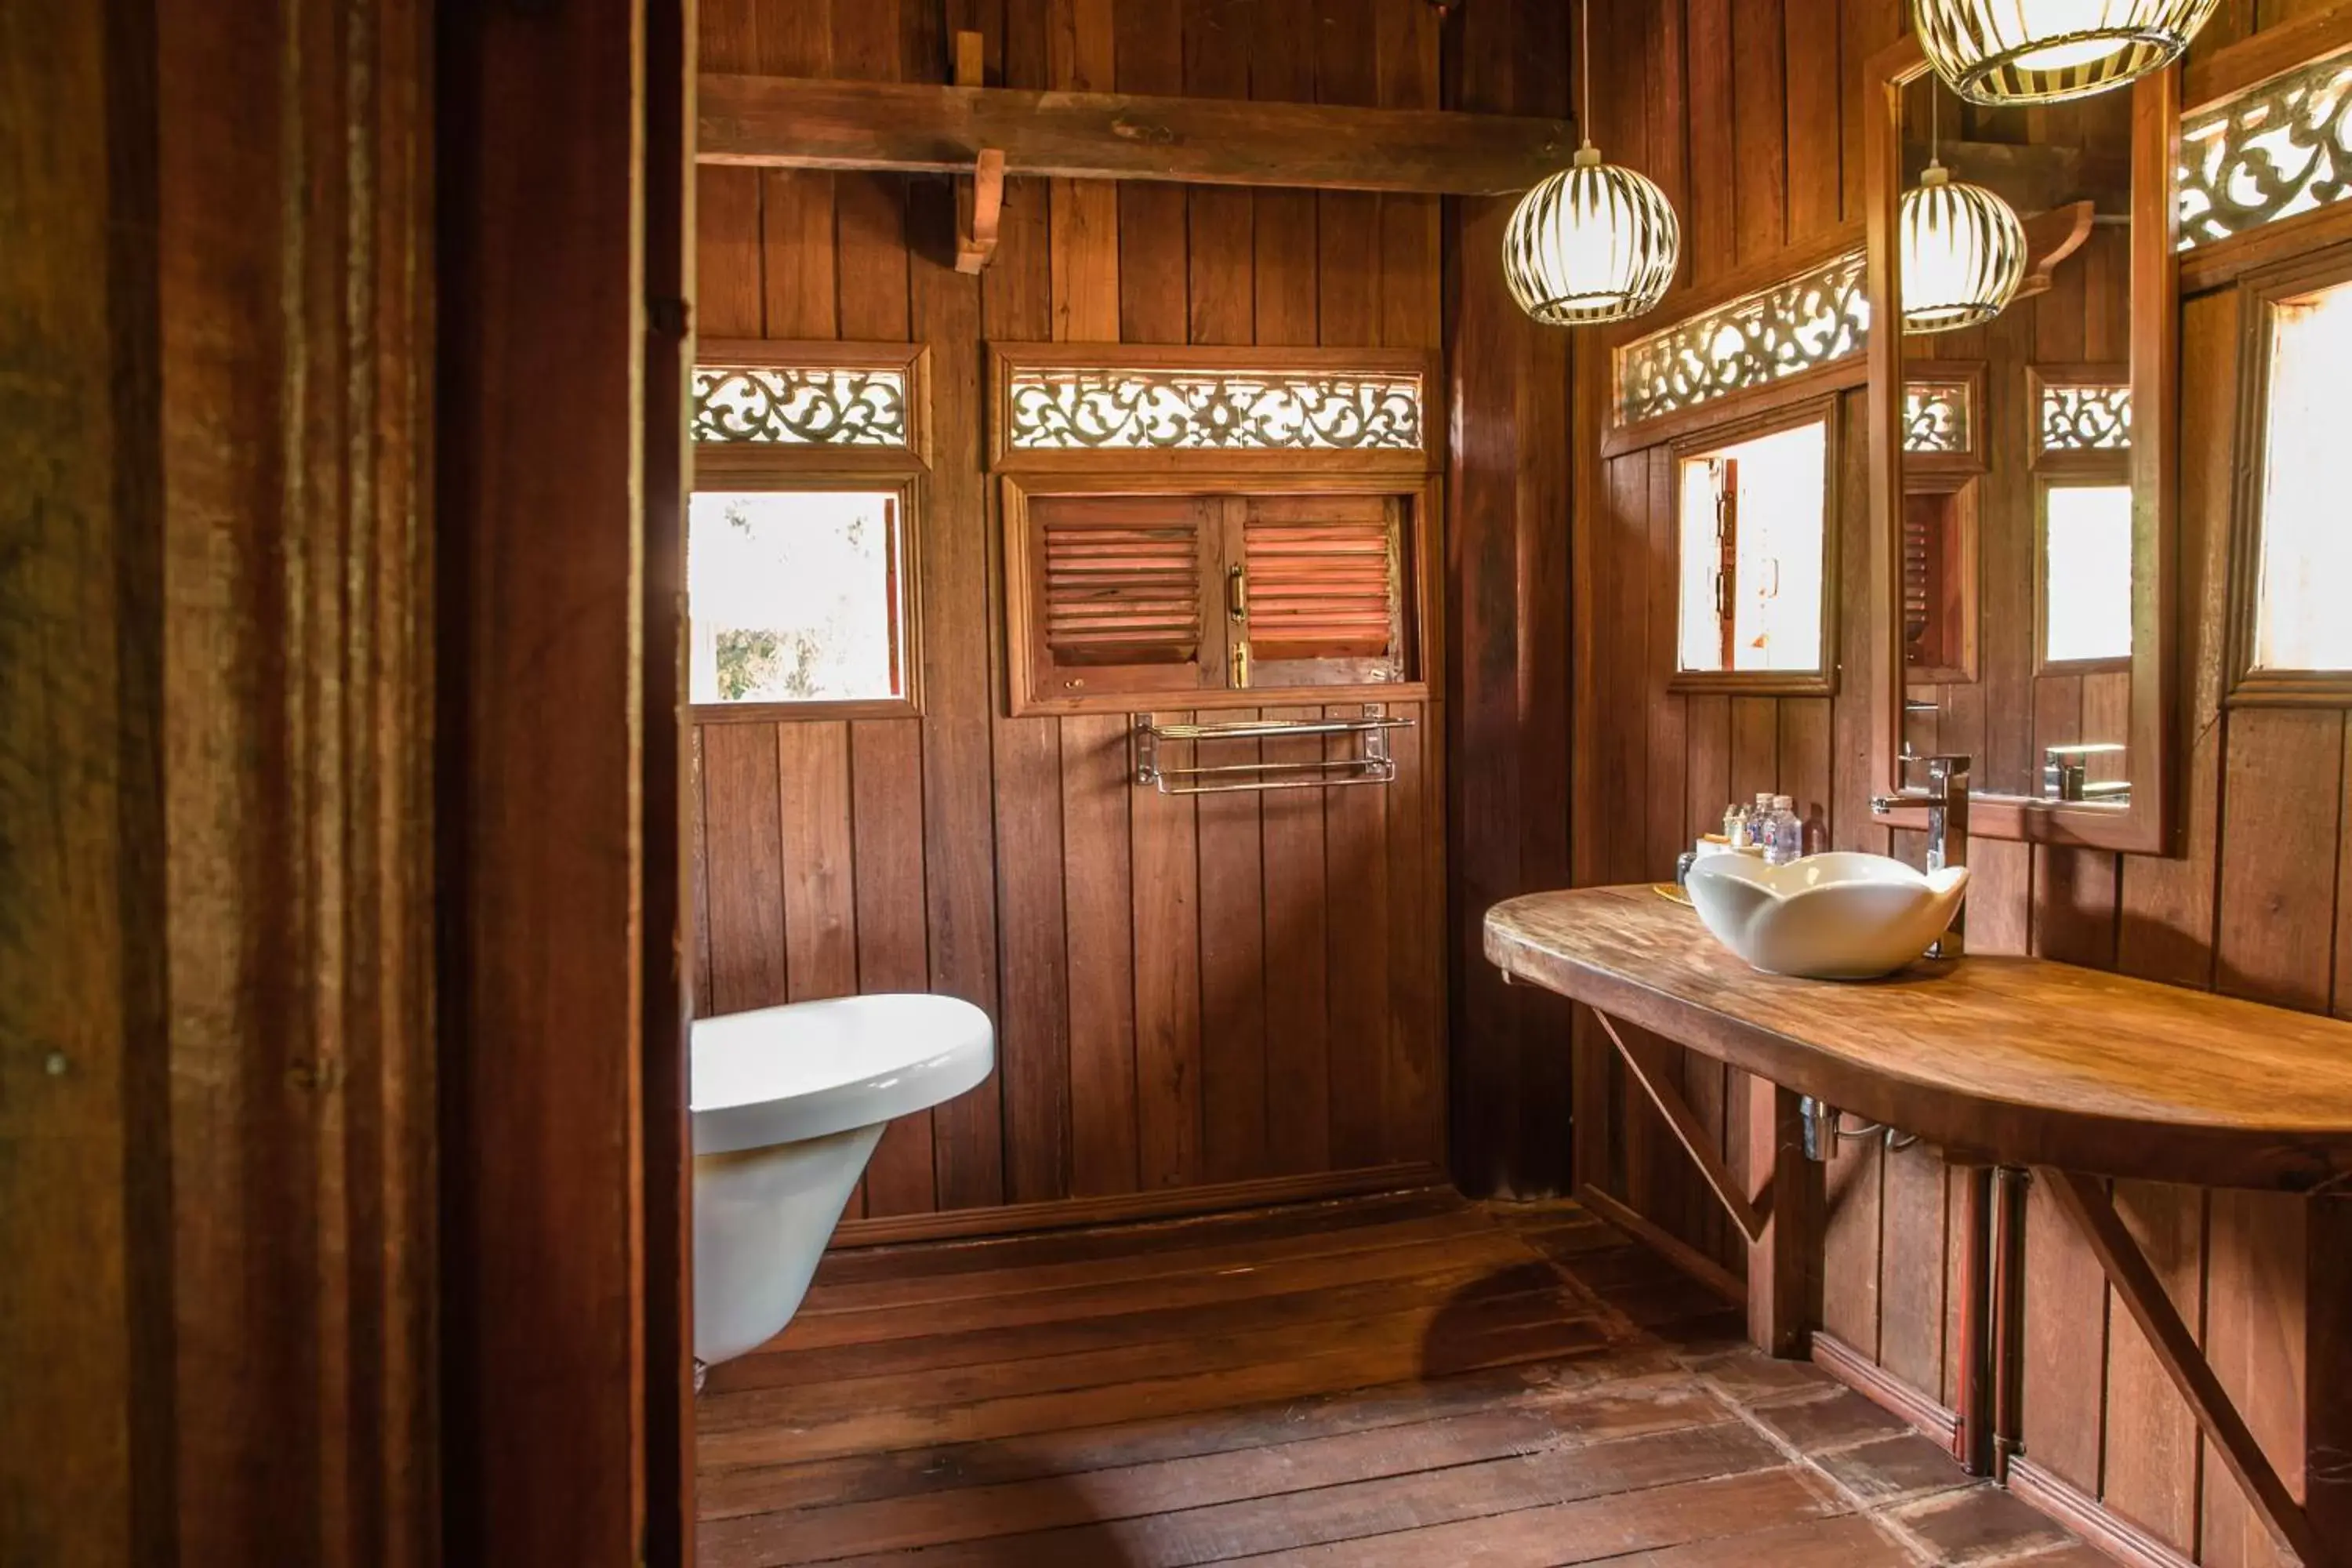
[1840, 916]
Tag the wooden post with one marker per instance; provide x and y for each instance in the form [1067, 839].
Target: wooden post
[1784, 1268]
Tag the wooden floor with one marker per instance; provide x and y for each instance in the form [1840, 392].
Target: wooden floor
[1405, 1382]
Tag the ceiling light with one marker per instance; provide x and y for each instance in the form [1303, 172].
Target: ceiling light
[1594, 242]
[2046, 51]
[1962, 254]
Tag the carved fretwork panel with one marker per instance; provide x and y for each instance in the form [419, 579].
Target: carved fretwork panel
[1056, 408]
[1814, 318]
[1937, 417]
[812, 405]
[2085, 418]
[2283, 149]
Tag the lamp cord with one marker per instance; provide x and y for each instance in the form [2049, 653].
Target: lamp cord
[1584, 53]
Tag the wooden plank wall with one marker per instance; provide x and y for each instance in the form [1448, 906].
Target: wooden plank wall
[1748, 114]
[1247, 988]
[1513, 468]
[219, 1331]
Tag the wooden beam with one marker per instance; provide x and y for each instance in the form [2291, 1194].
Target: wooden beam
[1693, 1136]
[2084, 1201]
[791, 122]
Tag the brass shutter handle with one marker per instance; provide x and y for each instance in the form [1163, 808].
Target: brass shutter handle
[1237, 593]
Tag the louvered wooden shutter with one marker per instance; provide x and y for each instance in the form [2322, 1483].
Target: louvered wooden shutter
[1322, 579]
[1920, 549]
[1118, 599]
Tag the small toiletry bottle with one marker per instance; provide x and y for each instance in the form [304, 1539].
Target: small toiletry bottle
[1735, 825]
[1787, 833]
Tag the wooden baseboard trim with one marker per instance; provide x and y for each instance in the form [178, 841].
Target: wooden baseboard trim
[2089, 1518]
[1937, 1422]
[1073, 1214]
[1664, 1242]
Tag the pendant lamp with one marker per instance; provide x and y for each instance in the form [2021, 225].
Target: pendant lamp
[1594, 242]
[2047, 51]
[1961, 247]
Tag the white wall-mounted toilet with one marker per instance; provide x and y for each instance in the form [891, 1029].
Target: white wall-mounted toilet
[787, 1105]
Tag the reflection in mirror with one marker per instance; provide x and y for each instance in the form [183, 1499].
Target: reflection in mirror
[1751, 534]
[2017, 509]
[2086, 611]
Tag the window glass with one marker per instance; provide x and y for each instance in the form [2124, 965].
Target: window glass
[2088, 589]
[1701, 632]
[1751, 571]
[2306, 550]
[793, 596]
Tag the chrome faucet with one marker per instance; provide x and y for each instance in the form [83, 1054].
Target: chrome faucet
[1947, 800]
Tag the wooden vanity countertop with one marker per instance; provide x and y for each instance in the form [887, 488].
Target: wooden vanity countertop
[2016, 1062]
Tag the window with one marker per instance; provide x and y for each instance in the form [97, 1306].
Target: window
[2270, 153]
[1115, 596]
[796, 597]
[1202, 528]
[753, 404]
[1802, 323]
[2086, 573]
[799, 537]
[1078, 408]
[1752, 535]
[2303, 552]
[1939, 578]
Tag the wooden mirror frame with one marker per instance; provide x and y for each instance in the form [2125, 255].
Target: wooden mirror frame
[2144, 826]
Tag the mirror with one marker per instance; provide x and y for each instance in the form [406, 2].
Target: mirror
[2019, 482]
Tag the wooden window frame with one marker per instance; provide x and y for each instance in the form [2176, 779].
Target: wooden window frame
[1022, 625]
[1819, 409]
[1963, 486]
[728, 462]
[2226, 75]
[798, 477]
[1680, 309]
[1259, 468]
[2258, 292]
[2069, 468]
[2115, 474]
[2096, 462]
[757, 466]
[1972, 377]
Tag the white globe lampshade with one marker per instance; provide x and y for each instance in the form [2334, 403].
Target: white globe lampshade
[1593, 242]
[1962, 254]
[2047, 51]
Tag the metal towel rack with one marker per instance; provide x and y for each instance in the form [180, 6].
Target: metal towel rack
[1371, 764]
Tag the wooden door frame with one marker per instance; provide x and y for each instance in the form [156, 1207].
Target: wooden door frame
[565, 217]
